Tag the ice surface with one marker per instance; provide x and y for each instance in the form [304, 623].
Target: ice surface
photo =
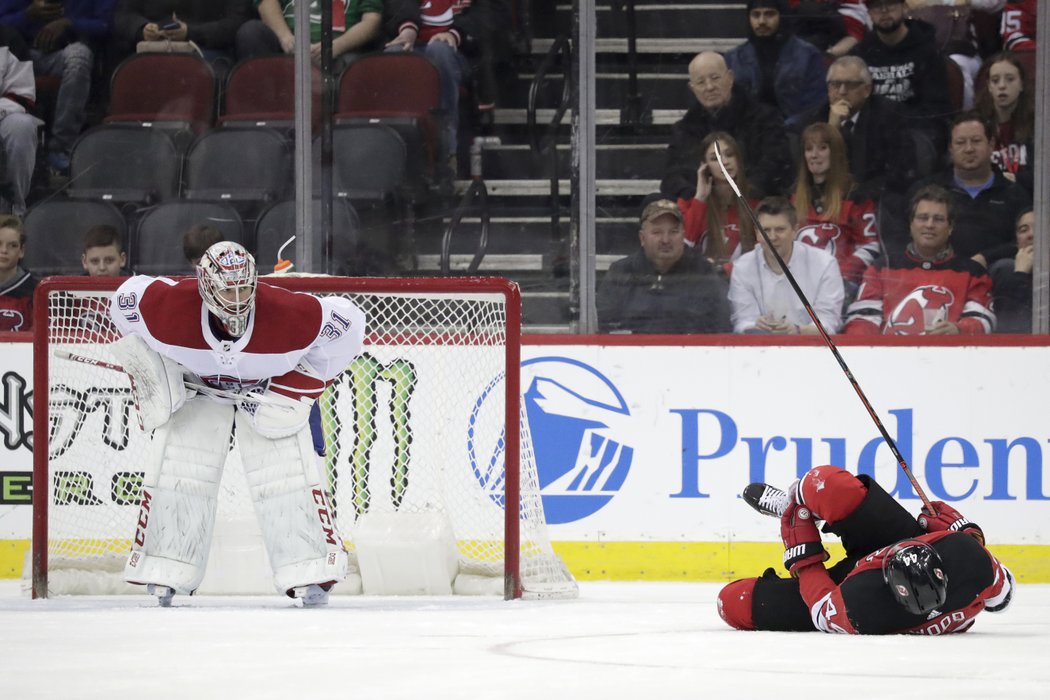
[618, 640]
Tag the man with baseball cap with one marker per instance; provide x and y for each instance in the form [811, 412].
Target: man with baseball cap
[664, 287]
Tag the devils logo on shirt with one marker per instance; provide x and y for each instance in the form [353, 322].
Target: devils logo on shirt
[923, 307]
[822, 235]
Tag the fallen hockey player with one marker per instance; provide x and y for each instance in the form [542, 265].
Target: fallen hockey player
[901, 574]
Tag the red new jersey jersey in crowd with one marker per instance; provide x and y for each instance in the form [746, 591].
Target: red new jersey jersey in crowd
[694, 224]
[1018, 26]
[906, 295]
[864, 604]
[853, 237]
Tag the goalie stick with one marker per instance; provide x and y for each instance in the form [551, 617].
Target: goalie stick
[824, 334]
[200, 388]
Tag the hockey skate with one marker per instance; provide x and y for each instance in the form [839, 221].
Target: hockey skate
[313, 596]
[766, 499]
[164, 594]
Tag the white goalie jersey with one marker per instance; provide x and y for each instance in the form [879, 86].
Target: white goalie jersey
[285, 330]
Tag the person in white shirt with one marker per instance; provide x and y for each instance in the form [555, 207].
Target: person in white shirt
[759, 291]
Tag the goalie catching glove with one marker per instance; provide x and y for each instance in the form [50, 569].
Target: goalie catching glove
[947, 518]
[157, 384]
[283, 408]
[802, 545]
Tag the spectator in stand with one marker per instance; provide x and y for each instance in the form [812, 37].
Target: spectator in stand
[354, 30]
[1018, 26]
[928, 289]
[63, 37]
[775, 67]
[723, 106]
[16, 284]
[1012, 280]
[1007, 102]
[986, 203]
[833, 26]
[445, 31]
[715, 206]
[198, 239]
[665, 286]
[880, 153]
[210, 24]
[18, 123]
[906, 68]
[831, 215]
[762, 298]
[103, 254]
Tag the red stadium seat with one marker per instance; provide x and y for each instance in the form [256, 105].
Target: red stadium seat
[261, 92]
[165, 90]
[401, 90]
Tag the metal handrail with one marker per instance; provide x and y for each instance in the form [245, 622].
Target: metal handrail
[477, 191]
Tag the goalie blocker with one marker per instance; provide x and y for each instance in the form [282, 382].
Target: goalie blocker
[279, 350]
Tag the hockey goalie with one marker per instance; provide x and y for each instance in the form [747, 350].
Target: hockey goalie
[258, 356]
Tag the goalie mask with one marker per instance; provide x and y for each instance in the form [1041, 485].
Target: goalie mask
[226, 279]
[915, 574]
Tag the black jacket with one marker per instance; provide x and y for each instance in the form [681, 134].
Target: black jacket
[1012, 293]
[690, 298]
[212, 24]
[912, 73]
[757, 128]
[881, 151]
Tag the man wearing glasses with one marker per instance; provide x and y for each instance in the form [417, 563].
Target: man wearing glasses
[881, 154]
[928, 289]
[723, 106]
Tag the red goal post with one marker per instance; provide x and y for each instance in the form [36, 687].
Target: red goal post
[430, 411]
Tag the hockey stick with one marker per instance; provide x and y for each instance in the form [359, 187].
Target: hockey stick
[824, 334]
[200, 388]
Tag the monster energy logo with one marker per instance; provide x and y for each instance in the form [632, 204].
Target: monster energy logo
[363, 378]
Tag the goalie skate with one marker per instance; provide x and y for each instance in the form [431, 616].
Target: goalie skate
[313, 596]
[766, 499]
[164, 594]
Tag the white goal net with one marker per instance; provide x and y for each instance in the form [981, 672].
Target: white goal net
[419, 425]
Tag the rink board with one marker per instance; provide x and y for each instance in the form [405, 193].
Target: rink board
[642, 450]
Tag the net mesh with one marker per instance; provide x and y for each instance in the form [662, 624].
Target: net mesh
[415, 424]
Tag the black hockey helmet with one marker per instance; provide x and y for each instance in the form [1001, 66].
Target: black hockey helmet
[915, 574]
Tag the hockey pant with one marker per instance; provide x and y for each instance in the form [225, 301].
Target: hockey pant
[773, 603]
[179, 497]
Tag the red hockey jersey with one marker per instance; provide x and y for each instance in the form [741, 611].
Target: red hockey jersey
[864, 604]
[905, 295]
[853, 237]
[694, 215]
[1018, 26]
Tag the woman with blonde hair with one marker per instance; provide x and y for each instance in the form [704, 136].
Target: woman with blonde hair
[1005, 99]
[831, 214]
[713, 219]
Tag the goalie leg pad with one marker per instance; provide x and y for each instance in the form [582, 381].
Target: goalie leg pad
[292, 507]
[179, 490]
[157, 384]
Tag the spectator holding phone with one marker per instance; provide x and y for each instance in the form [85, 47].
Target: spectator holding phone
[210, 24]
[762, 297]
[63, 38]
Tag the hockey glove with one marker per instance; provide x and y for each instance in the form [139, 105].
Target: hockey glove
[802, 545]
[947, 518]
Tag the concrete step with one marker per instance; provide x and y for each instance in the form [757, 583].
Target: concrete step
[664, 90]
[653, 19]
[613, 161]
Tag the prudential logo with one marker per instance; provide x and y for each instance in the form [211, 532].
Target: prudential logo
[578, 424]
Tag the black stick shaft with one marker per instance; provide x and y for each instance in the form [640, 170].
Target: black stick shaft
[827, 337]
